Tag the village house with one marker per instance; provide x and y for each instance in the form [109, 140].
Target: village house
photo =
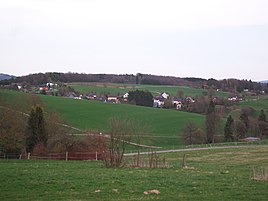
[234, 98]
[51, 85]
[165, 95]
[43, 88]
[189, 99]
[177, 102]
[112, 99]
[158, 102]
[125, 97]
[91, 96]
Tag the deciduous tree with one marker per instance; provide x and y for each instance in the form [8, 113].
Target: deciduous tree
[191, 134]
[240, 129]
[211, 122]
[263, 126]
[244, 118]
[121, 131]
[12, 128]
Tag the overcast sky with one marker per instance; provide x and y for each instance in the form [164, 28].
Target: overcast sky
[184, 38]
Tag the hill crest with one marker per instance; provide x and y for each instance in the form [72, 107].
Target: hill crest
[6, 76]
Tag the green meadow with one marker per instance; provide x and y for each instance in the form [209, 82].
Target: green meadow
[162, 126]
[258, 103]
[107, 88]
[222, 174]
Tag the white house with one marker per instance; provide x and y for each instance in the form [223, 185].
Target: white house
[159, 102]
[165, 95]
[177, 102]
[233, 98]
[113, 99]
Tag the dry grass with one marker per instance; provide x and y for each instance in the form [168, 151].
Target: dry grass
[260, 174]
[244, 156]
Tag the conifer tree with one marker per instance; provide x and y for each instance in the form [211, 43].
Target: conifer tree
[36, 132]
[229, 129]
[262, 116]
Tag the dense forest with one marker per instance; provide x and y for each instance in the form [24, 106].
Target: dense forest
[228, 85]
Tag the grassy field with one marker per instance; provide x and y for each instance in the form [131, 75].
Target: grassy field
[258, 103]
[223, 174]
[115, 89]
[163, 125]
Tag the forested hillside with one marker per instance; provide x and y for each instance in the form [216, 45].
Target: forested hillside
[228, 85]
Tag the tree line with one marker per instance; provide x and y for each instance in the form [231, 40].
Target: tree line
[246, 125]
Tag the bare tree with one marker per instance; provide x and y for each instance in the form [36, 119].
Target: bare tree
[180, 94]
[168, 104]
[240, 129]
[12, 126]
[211, 122]
[120, 133]
[191, 134]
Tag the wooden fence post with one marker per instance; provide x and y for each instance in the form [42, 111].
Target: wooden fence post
[96, 156]
[184, 165]
[66, 155]
[28, 155]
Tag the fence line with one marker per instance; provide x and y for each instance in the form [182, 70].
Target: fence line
[55, 156]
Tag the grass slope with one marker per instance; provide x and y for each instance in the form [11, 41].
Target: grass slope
[213, 175]
[257, 104]
[164, 125]
[154, 89]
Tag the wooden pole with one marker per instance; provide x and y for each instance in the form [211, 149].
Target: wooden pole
[28, 155]
[96, 156]
[184, 165]
[66, 155]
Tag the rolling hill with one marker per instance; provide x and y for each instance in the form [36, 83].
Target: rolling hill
[163, 125]
[6, 76]
[114, 89]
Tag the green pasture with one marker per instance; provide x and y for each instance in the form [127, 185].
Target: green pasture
[114, 89]
[18, 100]
[257, 103]
[222, 174]
[163, 126]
